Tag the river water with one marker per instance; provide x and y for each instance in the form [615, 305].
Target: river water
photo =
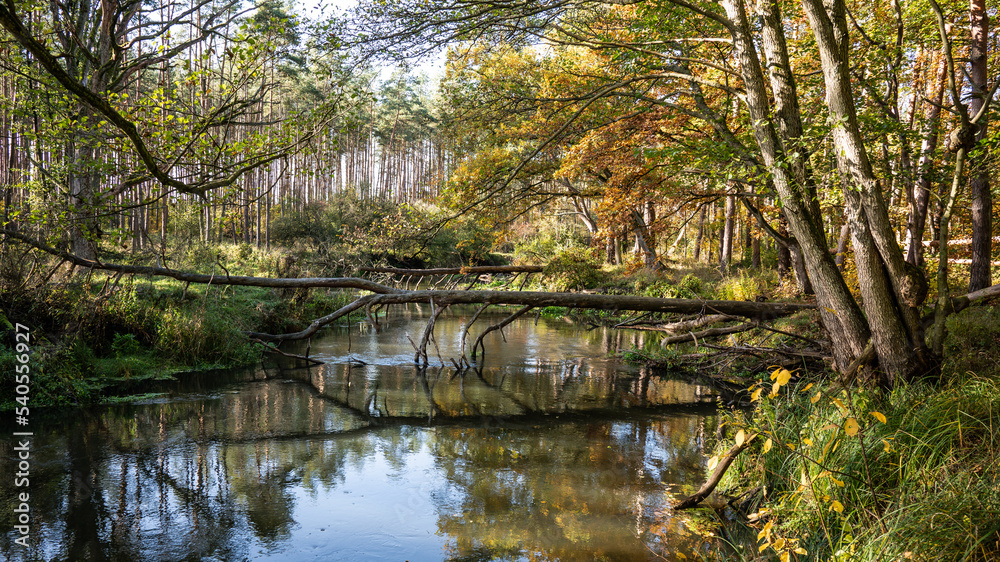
[550, 449]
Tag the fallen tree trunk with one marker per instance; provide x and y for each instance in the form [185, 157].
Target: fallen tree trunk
[222, 278]
[678, 327]
[745, 309]
[457, 270]
[385, 295]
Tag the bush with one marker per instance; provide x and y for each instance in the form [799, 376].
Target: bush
[197, 337]
[972, 342]
[746, 287]
[574, 269]
[651, 284]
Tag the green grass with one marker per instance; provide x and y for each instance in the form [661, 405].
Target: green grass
[924, 485]
[92, 340]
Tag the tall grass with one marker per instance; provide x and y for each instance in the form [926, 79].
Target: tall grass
[923, 485]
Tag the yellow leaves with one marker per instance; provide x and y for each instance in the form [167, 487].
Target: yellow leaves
[767, 446]
[755, 396]
[851, 427]
[837, 506]
[781, 376]
[741, 438]
[766, 531]
[815, 398]
[785, 547]
[879, 416]
[713, 462]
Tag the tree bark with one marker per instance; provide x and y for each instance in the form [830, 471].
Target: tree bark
[979, 184]
[840, 313]
[891, 288]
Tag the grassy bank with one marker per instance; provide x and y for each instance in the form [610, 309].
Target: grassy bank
[96, 339]
[837, 473]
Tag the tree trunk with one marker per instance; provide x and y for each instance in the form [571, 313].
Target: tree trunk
[642, 240]
[83, 229]
[840, 313]
[701, 234]
[728, 231]
[784, 254]
[917, 221]
[891, 289]
[979, 184]
[845, 233]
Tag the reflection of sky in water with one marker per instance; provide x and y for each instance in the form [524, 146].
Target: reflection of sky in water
[286, 466]
[375, 513]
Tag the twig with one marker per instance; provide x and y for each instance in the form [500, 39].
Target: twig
[274, 349]
[709, 333]
[777, 331]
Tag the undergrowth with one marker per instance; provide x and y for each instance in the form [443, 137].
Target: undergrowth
[842, 473]
[92, 340]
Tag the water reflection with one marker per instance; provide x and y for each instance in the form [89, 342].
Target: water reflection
[554, 459]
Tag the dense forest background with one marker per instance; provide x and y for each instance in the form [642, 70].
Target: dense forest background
[847, 143]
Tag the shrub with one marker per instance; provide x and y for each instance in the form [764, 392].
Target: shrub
[197, 337]
[574, 269]
[745, 287]
[972, 342]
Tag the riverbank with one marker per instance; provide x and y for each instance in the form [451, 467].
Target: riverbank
[101, 339]
[848, 473]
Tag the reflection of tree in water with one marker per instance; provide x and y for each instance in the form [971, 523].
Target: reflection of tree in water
[566, 492]
[212, 473]
[131, 485]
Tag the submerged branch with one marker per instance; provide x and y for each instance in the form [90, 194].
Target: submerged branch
[713, 480]
[498, 326]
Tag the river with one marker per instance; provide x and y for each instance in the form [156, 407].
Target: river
[550, 449]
